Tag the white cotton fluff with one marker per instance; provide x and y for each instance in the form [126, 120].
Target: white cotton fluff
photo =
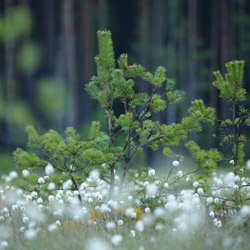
[49, 169]
[25, 173]
[110, 225]
[139, 226]
[116, 239]
[40, 180]
[97, 244]
[151, 172]
[175, 163]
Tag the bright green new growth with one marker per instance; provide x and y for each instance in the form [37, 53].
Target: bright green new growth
[117, 82]
[231, 89]
[70, 155]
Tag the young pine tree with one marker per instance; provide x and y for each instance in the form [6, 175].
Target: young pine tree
[115, 82]
[231, 89]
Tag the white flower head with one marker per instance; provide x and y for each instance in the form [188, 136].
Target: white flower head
[30, 234]
[152, 189]
[116, 239]
[248, 164]
[139, 226]
[110, 225]
[151, 172]
[97, 244]
[94, 175]
[51, 186]
[175, 163]
[13, 175]
[52, 227]
[25, 173]
[40, 180]
[179, 173]
[49, 169]
[231, 162]
[132, 233]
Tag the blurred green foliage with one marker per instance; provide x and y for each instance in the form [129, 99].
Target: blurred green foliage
[51, 97]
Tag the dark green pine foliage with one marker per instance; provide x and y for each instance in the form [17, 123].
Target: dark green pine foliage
[231, 89]
[115, 81]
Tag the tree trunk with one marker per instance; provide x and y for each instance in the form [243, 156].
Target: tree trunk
[69, 32]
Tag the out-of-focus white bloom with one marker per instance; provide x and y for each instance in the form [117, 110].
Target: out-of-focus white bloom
[146, 184]
[83, 186]
[49, 169]
[248, 164]
[22, 229]
[231, 162]
[245, 211]
[229, 179]
[39, 200]
[130, 198]
[46, 177]
[13, 174]
[210, 200]
[52, 227]
[139, 226]
[33, 194]
[67, 184]
[200, 191]
[94, 175]
[217, 223]
[179, 173]
[151, 172]
[4, 244]
[14, 207]
[175, 163]
[152, 189]
[116, 239]
[25, 219]
[58, 223]
[51, 198]
[147, 210]
[90, 200]
[211, 214]
[159, 227]
[132, 233]
[129, 212]
[104, 208]
[1, 191]
[120, 222]
[159, 212]
[110, 225]
[237, 178]
[97, 244]
[196, 184]
[40, 180]
[25, 173]
[30, 234]
[166, 185]
[51, 186]
[1, 218]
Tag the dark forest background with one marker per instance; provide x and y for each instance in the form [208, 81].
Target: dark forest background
[47, 50]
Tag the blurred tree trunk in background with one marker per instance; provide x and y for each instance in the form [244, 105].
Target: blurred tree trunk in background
[88, 38]
[215, 51]
[102, 14]
[9, 76]
[69, 32]
[192, 14]
[172, 51]
[224, 46]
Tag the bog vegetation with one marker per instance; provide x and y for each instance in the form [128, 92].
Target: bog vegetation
[65, 186]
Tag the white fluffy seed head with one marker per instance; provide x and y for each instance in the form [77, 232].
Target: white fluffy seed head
[49, 169]
[175, 163]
